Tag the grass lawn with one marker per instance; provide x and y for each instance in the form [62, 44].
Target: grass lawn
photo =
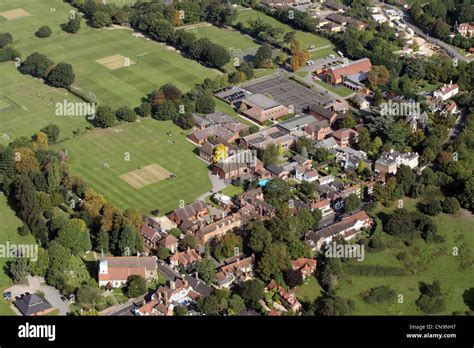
[146, 143]
[309, 291]
[232, 190]
[425, 86]
[23, 112]
[339, 90]
[302, 73]
[428, 262]
[309, 39]
[53, 313]
[154, 65]
[8, 233]
[231, 40]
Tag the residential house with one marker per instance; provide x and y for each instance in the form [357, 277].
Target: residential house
[360, 102]
[379, 18]
[337, 6]
[186, 259]
[261, 108]
[190, 212]
[218, 228]
[357, 24]
[169, 242]
[288, 297]
[278, 172]
[338, 18]
[333, 27]
[465, 29]
[418, 120]
[389, 162]
[347, 228]
[345, 137]
[253, 206]
[150, 235]
[321, 22]
[163, 301]
[303, 173]
[446, 92]
[325, 180]
[235, 270]
[114, 271]
[304, 265]
[324, 206]
[318, 130]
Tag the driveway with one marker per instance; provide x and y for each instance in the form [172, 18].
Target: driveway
[217, 185]
[51, 294]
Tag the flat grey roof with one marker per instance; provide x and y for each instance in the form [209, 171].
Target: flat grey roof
[297, 122]
[262, 101]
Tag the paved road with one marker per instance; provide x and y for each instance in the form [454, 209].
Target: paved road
[447, 48]
[455, 130]
[125, 309]
[217, 185]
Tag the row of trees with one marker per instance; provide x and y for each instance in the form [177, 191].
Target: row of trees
[7, 52]
[40, 66]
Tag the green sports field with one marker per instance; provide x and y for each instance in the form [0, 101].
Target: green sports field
[309, 39]
[100, 157]
[27, 105]
[230, 39]
[154, 64]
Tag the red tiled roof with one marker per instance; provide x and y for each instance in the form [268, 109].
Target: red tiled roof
[121, 274]
[361, 65]
[320, 204]
[148, 231]
[303, 262]
[168, 241]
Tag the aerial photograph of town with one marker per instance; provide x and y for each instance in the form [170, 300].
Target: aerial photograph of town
[236, 158]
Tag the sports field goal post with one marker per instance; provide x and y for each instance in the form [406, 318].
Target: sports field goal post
[85, 95]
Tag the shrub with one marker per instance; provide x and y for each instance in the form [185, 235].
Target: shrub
[451, 205]
[380, 294]
[376, 244]
[375, 270]
[431, 305]
[432, 207]
[5, 39]
[24, 230]
[126, 114]
[44, 31]
[431, 299]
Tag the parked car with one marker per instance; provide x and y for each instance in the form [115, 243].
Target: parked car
[7, 295]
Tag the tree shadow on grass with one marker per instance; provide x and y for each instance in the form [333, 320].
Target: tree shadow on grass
[468, 297]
